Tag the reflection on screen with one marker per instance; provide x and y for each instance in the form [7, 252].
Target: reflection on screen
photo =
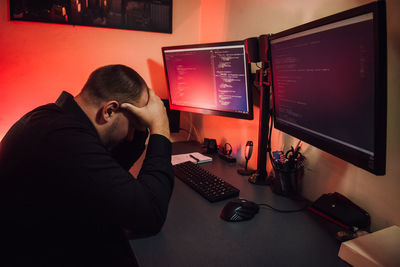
[324, 82]
[212, 78]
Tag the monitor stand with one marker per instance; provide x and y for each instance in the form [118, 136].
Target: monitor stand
[260, 177]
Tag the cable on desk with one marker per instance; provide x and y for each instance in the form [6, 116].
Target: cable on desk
[283, 211]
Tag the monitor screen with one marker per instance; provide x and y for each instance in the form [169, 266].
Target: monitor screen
[329, 84]
[209, 79]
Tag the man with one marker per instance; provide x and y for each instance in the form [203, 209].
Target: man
[66, 195]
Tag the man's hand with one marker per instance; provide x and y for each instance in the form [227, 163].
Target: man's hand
[152, 116]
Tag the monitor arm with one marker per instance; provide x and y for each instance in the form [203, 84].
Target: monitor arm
[260, 177]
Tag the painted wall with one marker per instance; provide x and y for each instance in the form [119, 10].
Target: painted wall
[38, 61]
[380, 195]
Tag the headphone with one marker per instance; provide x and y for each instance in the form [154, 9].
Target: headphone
[227, 149]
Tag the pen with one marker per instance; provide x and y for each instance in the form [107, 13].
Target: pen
[193, 157]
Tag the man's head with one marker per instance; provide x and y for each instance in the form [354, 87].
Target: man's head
[116, 82]
[105, 90]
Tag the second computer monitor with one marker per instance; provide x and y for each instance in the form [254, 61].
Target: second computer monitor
[209, 79]
[329, 84]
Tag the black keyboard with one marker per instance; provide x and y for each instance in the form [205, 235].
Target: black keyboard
[206, 184]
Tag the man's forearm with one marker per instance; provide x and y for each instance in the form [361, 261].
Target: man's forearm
[157, 179]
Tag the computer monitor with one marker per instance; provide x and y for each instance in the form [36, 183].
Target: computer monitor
[209, 79]
[329, 84]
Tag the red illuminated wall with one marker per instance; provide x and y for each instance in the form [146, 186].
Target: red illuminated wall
[40, 60]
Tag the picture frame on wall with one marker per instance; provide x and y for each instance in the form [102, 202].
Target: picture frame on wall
[142, 15]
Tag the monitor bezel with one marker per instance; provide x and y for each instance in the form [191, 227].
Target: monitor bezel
[377, 165]
[240, 115]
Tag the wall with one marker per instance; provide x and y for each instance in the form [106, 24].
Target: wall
[324, 173]
[39, 60]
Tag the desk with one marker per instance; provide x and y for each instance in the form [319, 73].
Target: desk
[194, 234]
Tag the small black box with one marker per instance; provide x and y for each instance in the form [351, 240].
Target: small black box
[173, 117]
[342, 211]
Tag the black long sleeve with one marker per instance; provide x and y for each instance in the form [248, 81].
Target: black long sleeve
[62, 188]
[99, 188]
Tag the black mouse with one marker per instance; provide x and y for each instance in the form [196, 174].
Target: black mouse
[239, 210]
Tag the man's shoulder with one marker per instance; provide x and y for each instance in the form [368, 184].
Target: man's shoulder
[50, 121]
[52, 116]
[55, 129]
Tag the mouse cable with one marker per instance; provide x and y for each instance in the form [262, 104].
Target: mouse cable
[283, 211]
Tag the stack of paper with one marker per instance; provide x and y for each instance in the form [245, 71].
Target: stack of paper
[195, 157]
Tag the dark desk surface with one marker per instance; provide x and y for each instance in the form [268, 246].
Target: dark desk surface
[194, 234]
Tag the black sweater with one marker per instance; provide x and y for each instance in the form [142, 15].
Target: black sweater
[65, 198]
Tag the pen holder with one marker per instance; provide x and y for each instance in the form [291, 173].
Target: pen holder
[287, 182]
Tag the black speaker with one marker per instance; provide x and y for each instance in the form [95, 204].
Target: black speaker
[173, 117]
[263, 46]
[210, 146]
[252, 51]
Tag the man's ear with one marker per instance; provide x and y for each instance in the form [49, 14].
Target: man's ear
[107, 112]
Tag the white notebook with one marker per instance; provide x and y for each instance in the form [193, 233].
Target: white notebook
[194, 157]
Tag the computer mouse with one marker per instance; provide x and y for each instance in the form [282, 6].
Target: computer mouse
[239, 210]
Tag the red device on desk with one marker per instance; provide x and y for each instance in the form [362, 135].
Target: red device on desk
[341, 211]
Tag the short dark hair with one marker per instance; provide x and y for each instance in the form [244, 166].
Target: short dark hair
[114, 82]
